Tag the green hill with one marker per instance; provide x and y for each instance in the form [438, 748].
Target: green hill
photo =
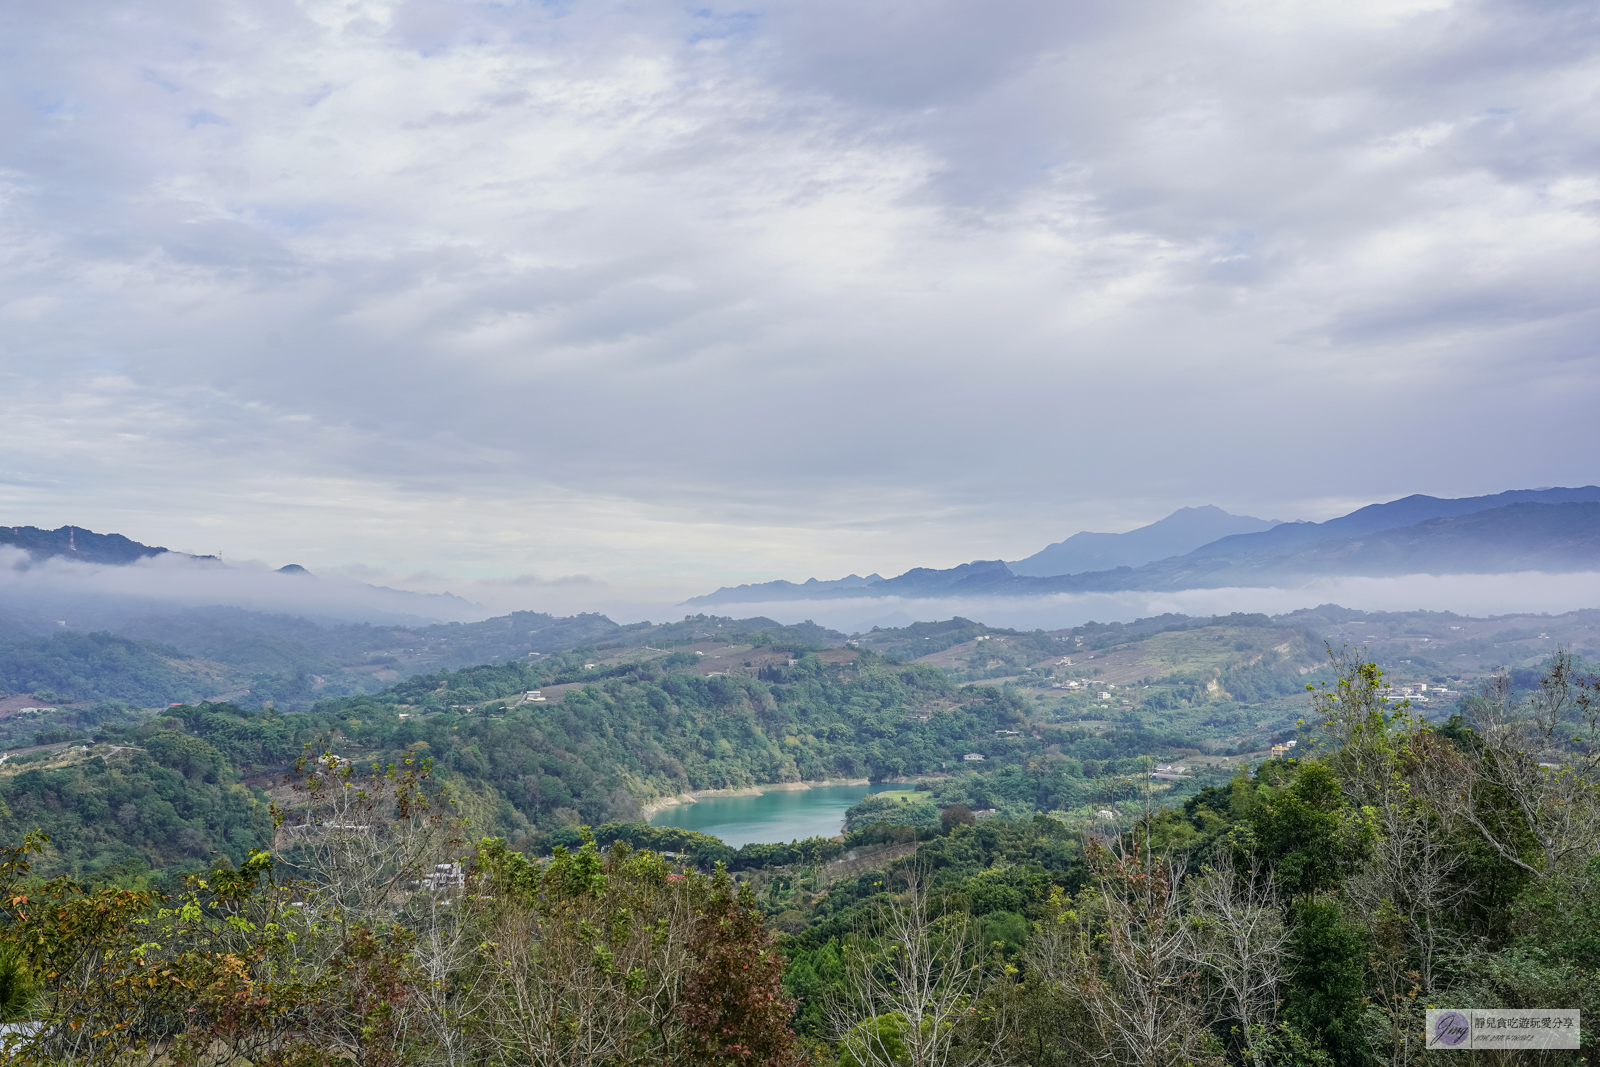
[76, 667]
[74, 542]
[712, 705]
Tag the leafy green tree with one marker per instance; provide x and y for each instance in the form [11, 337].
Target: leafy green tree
[1302, 829]
[1326, 991]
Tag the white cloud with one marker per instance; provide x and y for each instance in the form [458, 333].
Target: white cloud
[679, 297]
[87, 596]
[1464, 594]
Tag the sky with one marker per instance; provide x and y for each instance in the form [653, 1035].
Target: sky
[570, 298]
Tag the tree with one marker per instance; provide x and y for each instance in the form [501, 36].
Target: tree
[1325, 992]
[1533, 792]
[366, 839]
[956, 815]
[911, 975]
[124, 979]
[733, 1007]
[1401, 776]
[1125, 957]
[1239, 941]
[617, 959]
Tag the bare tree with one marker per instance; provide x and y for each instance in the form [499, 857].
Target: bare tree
[367, 837]
[1238, 939]
[449, 925]
[1126, 959]
[1537, 776]
[1411, 873]
[365, 841]
[911, 978]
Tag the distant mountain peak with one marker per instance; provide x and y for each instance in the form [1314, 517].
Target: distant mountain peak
[1181, 532]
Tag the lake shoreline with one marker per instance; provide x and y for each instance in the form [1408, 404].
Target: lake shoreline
[660, 804]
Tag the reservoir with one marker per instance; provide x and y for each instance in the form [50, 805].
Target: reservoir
[781, 815]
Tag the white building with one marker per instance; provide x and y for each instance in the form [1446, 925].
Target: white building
[445, 876]
[973, 757]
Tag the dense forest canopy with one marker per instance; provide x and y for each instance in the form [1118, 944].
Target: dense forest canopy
[616, 735]
[529, 770]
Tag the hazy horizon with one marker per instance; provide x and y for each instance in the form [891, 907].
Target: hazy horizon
[106, 595]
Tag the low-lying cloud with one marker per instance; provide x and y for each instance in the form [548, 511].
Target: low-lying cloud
[62, 592]
[1464, 594]
[85, 596]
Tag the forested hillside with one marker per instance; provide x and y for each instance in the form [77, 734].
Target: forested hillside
[1304, 912]
[525, 769]
[253, 659]
[615, 737]
[624, 727]
[631, 724]
[74, 668]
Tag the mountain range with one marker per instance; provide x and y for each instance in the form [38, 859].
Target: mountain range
[1548, 529]
[1554, 529]
[1183, 531]
[112, 646]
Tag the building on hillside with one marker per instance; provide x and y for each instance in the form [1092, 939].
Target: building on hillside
[445, 876]
[973, 757]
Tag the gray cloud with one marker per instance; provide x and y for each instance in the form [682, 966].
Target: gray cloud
[682, 297]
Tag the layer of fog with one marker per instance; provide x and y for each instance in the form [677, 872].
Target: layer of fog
[63, 593]
[1464, 594]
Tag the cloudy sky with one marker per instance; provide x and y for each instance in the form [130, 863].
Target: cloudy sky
[677, 296]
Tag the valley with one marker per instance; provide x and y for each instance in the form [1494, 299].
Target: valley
[1066, 722]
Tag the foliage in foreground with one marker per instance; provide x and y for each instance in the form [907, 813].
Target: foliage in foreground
[377, 954]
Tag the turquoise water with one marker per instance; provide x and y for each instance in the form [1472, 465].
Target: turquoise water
[781, 815]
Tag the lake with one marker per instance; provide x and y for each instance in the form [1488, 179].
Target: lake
[781, 815]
